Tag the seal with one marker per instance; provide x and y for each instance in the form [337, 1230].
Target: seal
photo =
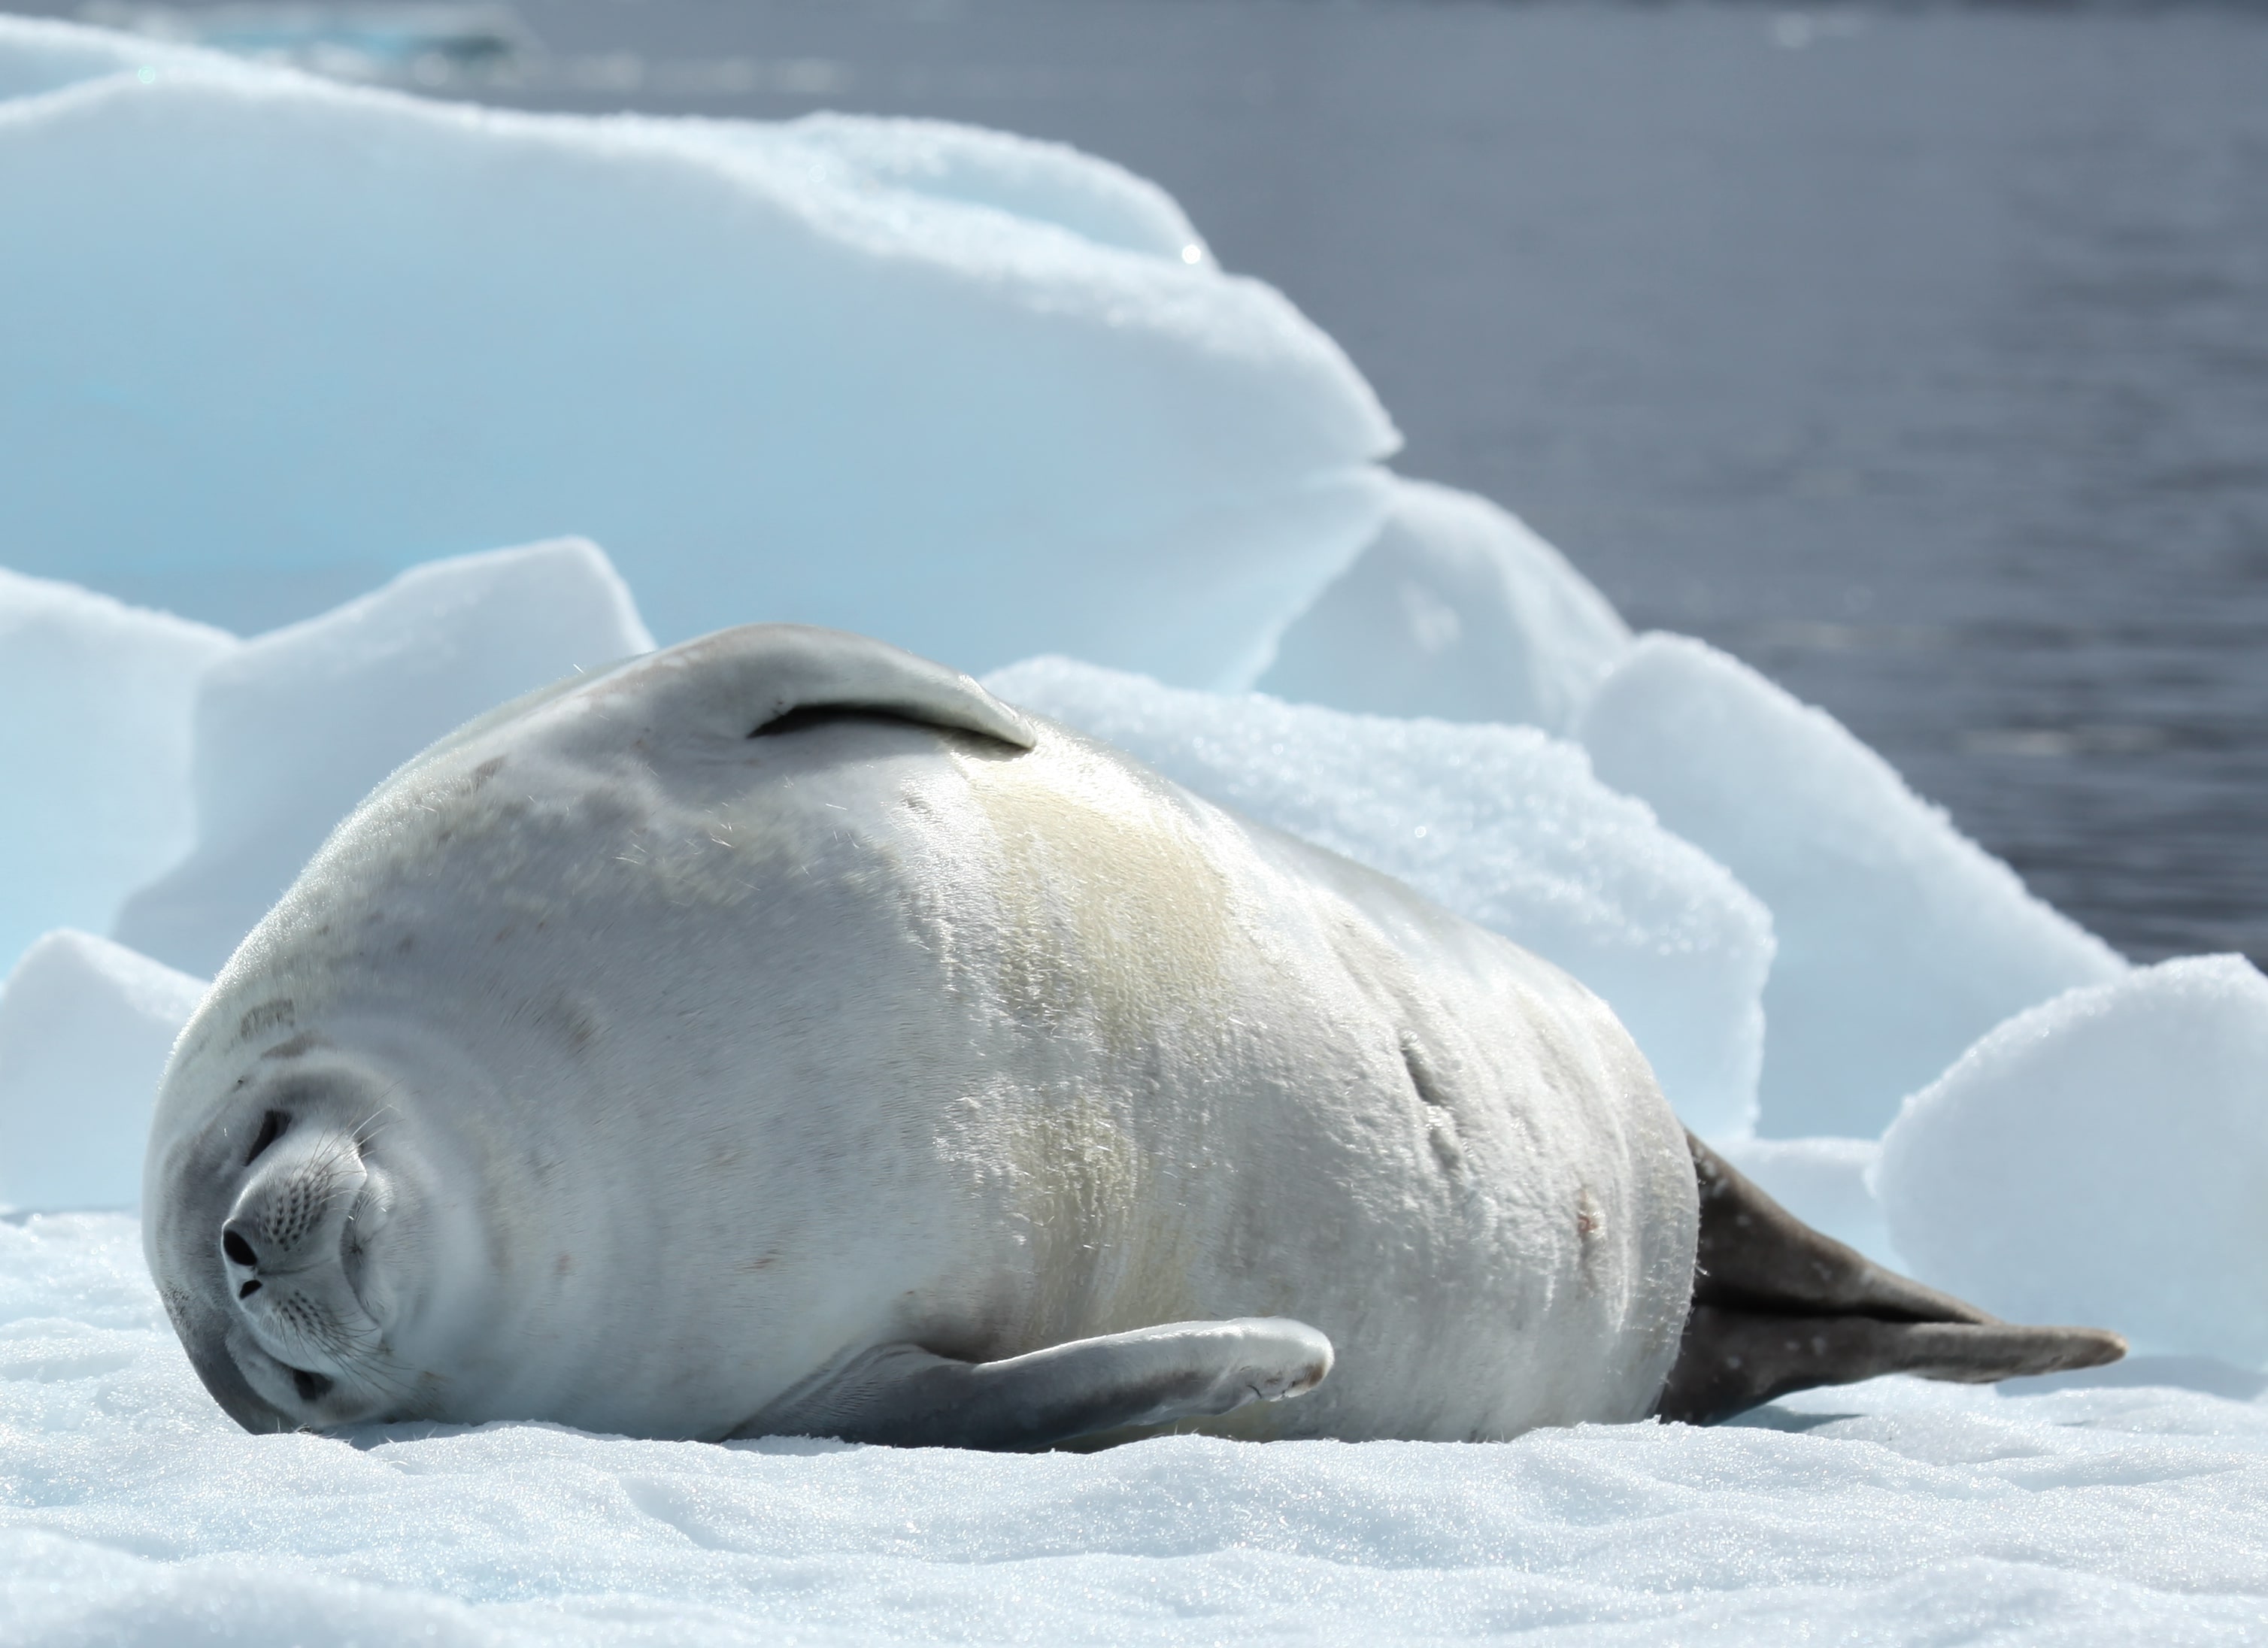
[778, 1033]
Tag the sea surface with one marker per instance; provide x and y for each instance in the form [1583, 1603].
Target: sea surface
[1919, 356]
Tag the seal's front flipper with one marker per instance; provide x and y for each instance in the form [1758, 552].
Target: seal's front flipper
[904, 1396]
[1778, 1307]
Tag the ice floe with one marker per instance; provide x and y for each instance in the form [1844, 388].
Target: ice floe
[2102, 1158]
[85, 1028]
[1455, 610]
[297, 726]
[858, 372]
[94, 751]
[1901, 940]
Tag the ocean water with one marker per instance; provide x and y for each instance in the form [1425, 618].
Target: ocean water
[1918, 356]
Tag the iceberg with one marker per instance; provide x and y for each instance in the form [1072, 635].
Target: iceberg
[294, 727]
[979, 396]
[94, 742]
[86, 1025]
[2102, 1158]
[1901, 940]
[1504, 825]
[1457, 612]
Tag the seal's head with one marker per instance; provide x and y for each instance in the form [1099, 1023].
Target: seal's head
[305, 1238]
[472, 1125]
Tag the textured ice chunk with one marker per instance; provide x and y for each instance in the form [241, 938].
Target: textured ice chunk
[2103, 1159]
[40, 55]
[1454, 610]
[1024, 177]
[299, 725]
[963, 393]
[85, 1028]
[1901, 941]
[1504, 825]
[94, 751]
[1826, 1182]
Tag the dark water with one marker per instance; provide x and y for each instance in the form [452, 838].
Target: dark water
[1919, 357]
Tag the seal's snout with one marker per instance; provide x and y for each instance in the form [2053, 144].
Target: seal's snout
[293, 1257]
[295, 1211]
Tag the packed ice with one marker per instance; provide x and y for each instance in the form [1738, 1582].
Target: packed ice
[994, 400]
[85, 1028]
[2102, 1155]
[94, 745]
[873, 374]
[295, 726]
[1901, 940]
[1455, 611]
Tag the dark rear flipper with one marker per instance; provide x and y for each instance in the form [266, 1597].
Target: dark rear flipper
[1779, 1308]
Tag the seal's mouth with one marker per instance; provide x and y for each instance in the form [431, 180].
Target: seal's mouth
[308, 1229]
[275, 1256]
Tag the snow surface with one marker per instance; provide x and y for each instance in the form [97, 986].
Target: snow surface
[1504, 825]
[297, 726]
[1901, 940]
[883, 375]
[94, 751]
[2118, 1509]
[1455, 610]
[85, 1028]
[2102, 1158]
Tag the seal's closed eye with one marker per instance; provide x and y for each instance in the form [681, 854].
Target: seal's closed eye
[272, 1129]
[803, 718]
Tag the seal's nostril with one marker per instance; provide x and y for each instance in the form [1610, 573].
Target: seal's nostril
[238, 1249]
[247, 1289]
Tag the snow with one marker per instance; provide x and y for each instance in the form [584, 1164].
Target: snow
[2102, 1158]
[2131, 1505]
[1505, 825]
[297, 726]
[875, 374]
[95, 743]
[85, 1028]
[1901, 941]
[1455, 610]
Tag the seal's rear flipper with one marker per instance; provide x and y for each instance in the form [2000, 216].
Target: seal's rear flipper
[1778, 1307]
[904, 1396]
